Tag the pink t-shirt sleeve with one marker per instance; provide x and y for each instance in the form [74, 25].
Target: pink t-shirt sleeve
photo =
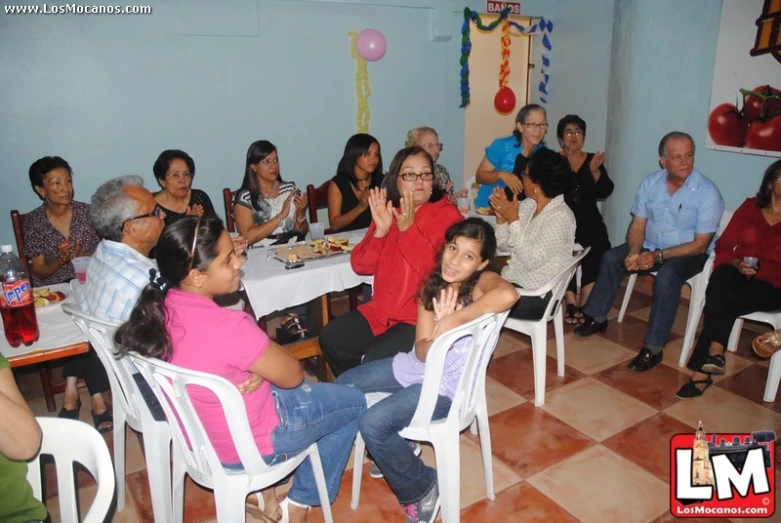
[248, 344]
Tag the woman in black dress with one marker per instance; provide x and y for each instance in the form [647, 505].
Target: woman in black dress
[591, 184]
[359, 170]
[175, 170]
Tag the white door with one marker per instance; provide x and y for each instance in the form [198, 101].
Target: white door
[482, 122]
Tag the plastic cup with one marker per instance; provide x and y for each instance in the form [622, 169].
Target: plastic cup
[752, 261]
[463, 205]
[80, 267]
[317, 230]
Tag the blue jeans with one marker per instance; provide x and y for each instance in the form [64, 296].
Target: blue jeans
[408, 477]
[324, 413]
[670, 278]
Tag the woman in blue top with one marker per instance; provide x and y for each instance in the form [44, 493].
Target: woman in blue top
[496, 169]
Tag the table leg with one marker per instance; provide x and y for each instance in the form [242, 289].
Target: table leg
[46, 383]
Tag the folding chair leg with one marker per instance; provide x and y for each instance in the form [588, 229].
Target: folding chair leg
[360, 450]
[630, 286]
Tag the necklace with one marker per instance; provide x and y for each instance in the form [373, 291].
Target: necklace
[273, 190]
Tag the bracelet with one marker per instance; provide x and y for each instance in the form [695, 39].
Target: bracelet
[301, 220]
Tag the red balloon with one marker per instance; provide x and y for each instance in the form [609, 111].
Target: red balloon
[504, 101]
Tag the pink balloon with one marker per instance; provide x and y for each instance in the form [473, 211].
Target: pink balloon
[371, 44]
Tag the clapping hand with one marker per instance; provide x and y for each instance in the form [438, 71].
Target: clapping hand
[597, 161]
[406, 215]
[301, 201]
[195, 210]
[506, 210]
[382, 212]
[64, 252]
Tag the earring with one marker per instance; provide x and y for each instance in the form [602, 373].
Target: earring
[535, 190]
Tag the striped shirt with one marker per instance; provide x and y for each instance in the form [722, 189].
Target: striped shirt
[116, 276]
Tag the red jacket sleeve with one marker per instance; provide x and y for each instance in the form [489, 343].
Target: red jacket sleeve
[420, 244]
[729, 239]
[364, 257]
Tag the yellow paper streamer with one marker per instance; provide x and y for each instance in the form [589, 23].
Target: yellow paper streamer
[362, 89]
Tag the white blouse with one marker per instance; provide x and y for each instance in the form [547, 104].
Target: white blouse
[540, 248]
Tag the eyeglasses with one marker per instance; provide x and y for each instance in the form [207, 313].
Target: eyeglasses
[541, 126]
[575, 132]
[156, 212]
[195, 239]
[411, 177]
[438, 146]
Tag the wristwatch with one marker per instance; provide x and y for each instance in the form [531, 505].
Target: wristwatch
[659, 256]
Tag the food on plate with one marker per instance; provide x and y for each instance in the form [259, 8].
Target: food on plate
[292, 258]
[330, 244]
[485, 211]
[45, 296]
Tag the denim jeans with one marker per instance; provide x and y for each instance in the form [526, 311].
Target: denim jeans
[408, 477]
[324, 413]
[670, 279]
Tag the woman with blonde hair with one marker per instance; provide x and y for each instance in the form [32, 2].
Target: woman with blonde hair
[428, 139]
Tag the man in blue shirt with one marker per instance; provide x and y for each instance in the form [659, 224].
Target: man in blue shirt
[675, 215]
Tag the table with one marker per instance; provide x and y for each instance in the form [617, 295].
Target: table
[270, 287]
[59, 338]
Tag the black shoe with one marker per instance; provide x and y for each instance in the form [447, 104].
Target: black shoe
[691, 390]
[645, 361]
[714, 364]
[590, 327]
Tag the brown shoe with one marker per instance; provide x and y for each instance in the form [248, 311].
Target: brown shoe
[765, 345]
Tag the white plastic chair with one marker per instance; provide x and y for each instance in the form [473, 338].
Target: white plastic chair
[70, 441]
[130, 408]
[468, 406]
[697, 299]
[198, 457]
[538, 329]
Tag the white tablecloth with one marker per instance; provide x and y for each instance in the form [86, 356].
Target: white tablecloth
[56, 328]
[270, 287]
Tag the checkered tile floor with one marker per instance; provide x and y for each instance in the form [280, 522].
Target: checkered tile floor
[597, 451]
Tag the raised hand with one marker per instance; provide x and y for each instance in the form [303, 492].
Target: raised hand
[506, 210]
[301, 201]
[597, 161]
[286, 207]
[195, 210]
[513, 182]
[79, 251]
[64, 251]
[406, 215]
[382, 212]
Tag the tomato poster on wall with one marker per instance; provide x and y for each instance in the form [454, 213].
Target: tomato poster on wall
[745, 104]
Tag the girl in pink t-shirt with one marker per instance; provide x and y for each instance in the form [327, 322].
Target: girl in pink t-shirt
[459, 290]
[177, 320]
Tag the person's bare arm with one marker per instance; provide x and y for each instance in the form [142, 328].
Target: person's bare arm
[245, 223]
[278, 366]
[20, 434]
[697, 246]
[335, 217]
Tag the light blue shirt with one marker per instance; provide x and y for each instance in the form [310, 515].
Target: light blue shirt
[116, 275]
[502, 154]
[695, 208]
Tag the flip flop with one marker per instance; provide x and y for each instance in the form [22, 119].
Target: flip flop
[70, 413]
[100, 419]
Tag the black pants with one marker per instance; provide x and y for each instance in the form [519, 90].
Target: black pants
[530, 308]
[348, 339]
[89, 367]
[589, 266]
[730, 295]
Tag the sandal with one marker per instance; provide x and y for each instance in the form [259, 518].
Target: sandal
[104, 418]
[714, 364]
[291, 330]
[571, 318]
[70, 413]
[691, 390]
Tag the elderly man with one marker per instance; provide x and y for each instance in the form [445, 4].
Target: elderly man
[129, 221]
[675, 215]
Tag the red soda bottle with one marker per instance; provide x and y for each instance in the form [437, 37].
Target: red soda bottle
[16, 301]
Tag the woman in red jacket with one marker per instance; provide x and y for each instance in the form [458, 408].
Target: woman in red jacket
[746, 278]
[399, 250]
